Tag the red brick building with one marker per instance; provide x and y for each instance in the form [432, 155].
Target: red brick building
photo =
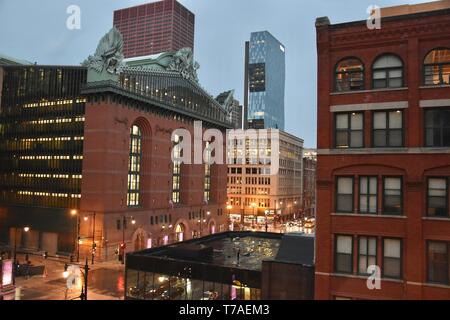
[384, 157]
[87, 158]
[155, 27]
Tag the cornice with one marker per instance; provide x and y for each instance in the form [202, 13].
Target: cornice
[388, 33]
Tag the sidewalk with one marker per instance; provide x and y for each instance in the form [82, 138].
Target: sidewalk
[105, 281]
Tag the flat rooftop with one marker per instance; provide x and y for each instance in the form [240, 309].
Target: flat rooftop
[225, 256]
[243, 250]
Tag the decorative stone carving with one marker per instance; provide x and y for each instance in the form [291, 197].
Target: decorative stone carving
[108, 58]
[183, 62]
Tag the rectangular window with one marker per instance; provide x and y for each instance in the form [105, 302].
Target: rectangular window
[349, 130]
[388, 129]
[392, 258]
[437, 197]
[367, 253]
[343, 254]
[368, 187]
[437, 128]
[392, 196]
[438, 262]
[344, 195]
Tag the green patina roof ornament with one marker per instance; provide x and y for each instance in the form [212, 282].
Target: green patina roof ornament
[108, 58]
[181, 61]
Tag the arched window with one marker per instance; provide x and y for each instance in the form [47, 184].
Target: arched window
[349, 75]
[387, 72]
[437, 67]
[134, 167]
[176, 170]
[207, 182]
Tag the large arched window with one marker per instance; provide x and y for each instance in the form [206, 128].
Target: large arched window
[349, 75]
[134, 167]
[207, 182]
[437, 67]
[176, 170]
[387, 72]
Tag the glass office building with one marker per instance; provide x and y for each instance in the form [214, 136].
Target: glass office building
[265, 68]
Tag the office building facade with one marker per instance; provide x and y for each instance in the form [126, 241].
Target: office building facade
[265, 81]
[383, 157]
[255, 193]
[155, 27]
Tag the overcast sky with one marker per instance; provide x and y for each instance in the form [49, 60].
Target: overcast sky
[36, 31]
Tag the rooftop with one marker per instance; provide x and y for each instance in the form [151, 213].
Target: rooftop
[394, 13]
[244, 250]
[6, 60]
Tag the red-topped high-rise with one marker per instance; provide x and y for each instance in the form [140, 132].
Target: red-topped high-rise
[155, 27]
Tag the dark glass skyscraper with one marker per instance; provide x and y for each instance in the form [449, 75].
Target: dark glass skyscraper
[265, 74]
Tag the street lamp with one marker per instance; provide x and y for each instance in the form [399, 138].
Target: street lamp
[86, 218]
[230, 222]
[267, 225]
[84, 290]
[123, 246]
[74, 213]
[25, 229]
[254, 205]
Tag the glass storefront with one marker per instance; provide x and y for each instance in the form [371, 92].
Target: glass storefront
[155, 286]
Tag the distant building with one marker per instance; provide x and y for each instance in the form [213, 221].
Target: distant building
[155, 27]
[254, 192]
[383, 176]
[9, 61]
[309, 183]
[264, 81]
[226, 266]
[233, 107]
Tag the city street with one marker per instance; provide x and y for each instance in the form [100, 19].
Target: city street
[105, 281]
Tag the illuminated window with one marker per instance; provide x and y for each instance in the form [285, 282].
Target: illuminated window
[207, 184]
[349, 75]
[437, 67]
[176, 171]
[134, 167]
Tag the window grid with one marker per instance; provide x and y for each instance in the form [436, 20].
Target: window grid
[134, 167]
[349, 130]
[437, 197]
[387, 129]
[392, 196]
[368, 195]
[367, 253]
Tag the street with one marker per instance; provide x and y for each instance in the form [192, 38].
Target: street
[105, 282]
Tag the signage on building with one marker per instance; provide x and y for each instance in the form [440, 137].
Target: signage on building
[7, 270]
